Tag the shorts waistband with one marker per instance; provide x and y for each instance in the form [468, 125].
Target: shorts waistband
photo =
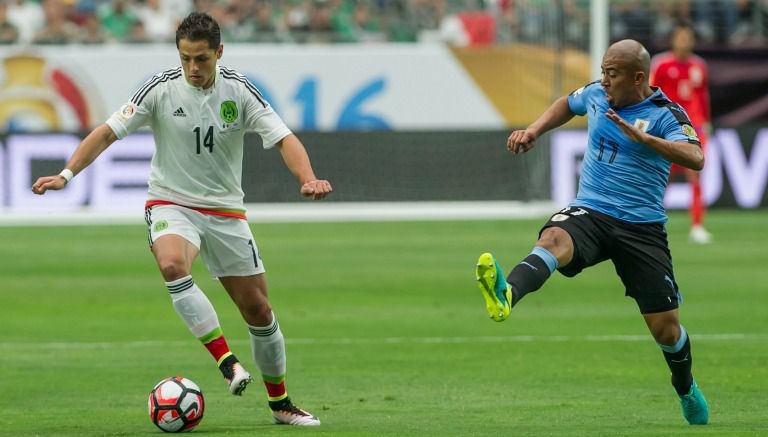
[234, 213]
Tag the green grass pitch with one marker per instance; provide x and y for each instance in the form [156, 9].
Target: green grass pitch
[386, 335]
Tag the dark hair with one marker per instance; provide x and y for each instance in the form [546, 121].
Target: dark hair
[199, 26]
[681, 25]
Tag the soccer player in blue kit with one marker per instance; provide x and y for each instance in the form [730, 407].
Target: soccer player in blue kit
[635, 132]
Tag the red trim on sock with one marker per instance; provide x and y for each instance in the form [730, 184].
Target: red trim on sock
[217, 348]
[275, 390]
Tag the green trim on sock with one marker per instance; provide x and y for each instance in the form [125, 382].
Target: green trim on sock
[277, 399]
[213, 335]
[273, 379]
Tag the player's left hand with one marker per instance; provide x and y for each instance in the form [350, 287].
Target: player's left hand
[632, 132]
[316, 189]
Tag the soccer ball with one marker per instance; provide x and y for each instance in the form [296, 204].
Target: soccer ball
[176, 404]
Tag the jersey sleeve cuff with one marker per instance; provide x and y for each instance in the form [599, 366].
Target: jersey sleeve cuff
[269, 140]
[119, 130]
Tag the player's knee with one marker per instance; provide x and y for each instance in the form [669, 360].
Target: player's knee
[668, 333]
[257, 312]
[548, 239]
[558, 242]
[172, 269]
[264, 311]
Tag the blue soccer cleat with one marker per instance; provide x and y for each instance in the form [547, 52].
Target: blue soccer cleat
[493, 285]
[695, 409]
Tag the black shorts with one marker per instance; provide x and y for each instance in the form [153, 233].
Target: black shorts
[639, 252]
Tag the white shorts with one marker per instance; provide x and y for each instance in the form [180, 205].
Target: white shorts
[225, 243]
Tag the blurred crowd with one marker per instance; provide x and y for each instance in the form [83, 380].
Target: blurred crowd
[460, 22]
[729, 22]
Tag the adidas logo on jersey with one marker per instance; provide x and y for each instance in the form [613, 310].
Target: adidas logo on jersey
[179, 113]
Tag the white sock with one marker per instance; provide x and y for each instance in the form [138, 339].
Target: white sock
[193, 306]
[268, 347]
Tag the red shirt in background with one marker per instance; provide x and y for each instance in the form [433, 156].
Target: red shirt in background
[685, 82]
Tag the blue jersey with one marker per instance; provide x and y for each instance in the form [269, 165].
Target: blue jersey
[619, 177]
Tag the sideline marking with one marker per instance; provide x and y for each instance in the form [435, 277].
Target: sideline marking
[304, 213]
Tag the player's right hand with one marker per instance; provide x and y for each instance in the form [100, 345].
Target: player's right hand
[521, 141]
[46, 183]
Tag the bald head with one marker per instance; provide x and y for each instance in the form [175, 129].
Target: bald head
[626, 67]
[631, 54]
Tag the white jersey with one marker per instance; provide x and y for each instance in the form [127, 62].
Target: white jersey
[199, 134]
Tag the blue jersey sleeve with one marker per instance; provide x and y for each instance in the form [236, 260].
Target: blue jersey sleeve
[676, 126]
[579, 99]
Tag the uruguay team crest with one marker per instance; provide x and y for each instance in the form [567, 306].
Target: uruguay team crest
[642, 124]
[228, 111]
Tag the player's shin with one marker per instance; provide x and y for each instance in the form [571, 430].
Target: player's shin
[268, 347]
[679, 360]
[198, 314]
[531, 273]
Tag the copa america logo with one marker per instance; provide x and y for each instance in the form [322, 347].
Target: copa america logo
[38, 94]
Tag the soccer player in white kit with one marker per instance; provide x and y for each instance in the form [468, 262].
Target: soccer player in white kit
[199, 113]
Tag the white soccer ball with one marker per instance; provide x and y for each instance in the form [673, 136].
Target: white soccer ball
[176, 404]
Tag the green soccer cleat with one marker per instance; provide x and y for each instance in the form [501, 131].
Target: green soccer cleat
[496, 291]
[695, 409]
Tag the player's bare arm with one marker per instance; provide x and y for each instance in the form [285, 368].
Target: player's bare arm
[556, 115]
[296, 159]
[88, 150]
[682, 153]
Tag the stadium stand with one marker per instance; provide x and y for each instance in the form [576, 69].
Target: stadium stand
[459, 22]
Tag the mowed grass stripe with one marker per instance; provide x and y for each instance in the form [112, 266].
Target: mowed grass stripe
[384, 341]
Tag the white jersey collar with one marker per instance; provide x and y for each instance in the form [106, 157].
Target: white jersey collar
[213, 87]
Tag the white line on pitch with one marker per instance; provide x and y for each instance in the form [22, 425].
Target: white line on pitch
[300, 212]
[385, 340]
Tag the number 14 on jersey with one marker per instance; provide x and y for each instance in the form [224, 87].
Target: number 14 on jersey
[206, 142]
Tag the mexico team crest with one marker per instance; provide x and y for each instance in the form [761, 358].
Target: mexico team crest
[161, 226]
[228, 111]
